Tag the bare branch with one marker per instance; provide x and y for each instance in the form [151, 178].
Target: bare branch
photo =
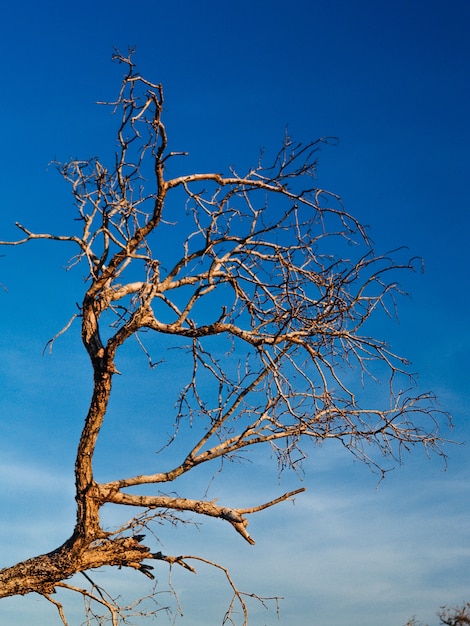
[59, 607]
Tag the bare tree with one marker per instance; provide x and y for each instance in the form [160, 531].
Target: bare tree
[456, 616]
[459, 616]
[276, 271]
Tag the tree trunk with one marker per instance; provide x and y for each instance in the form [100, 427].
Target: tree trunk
[42, 573]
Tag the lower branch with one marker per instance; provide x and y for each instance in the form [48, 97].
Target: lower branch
[238, 595]
[42, 574]
[232, 515]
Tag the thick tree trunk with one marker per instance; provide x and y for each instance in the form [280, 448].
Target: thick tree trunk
[42, 573]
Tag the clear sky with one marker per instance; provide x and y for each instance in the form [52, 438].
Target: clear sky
[391, 81]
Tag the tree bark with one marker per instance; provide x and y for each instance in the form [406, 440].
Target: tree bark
[42, 573]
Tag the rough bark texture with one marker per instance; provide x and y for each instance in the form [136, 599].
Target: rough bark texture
[42, 573]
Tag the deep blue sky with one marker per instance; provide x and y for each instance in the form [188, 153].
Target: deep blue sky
[391, 81]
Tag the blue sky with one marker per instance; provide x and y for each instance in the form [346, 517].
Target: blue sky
[390, 80]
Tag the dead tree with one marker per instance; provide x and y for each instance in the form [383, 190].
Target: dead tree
[458, 616]
[270, 265]
[448, 616]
